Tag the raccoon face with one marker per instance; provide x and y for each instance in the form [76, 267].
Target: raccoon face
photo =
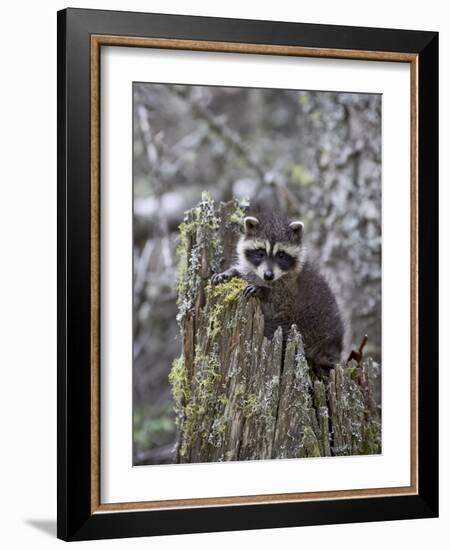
[267, 255]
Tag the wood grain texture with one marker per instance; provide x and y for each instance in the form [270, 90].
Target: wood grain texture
[414, 271]
[95, 275]
[260, 49]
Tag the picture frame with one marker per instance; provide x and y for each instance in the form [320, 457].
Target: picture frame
[81, 36]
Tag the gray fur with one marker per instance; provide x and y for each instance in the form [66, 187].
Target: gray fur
[297, 296]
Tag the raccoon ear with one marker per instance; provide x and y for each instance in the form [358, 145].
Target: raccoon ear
[297, 229]
[250, 224]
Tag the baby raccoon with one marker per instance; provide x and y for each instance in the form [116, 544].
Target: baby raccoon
[270, 256]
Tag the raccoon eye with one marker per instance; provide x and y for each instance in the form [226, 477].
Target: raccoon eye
[281, 255]
[260, 253]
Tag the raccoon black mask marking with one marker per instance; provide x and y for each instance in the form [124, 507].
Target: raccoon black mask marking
[271, 257]
[270, 251]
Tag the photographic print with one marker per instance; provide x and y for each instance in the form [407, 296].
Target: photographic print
[257, 274]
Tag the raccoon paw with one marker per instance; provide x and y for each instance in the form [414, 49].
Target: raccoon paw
[251, 290]
[218, 278]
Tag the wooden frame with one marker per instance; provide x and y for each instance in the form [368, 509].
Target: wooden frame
[81, 34]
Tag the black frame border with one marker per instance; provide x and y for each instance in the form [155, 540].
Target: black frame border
[75, 521]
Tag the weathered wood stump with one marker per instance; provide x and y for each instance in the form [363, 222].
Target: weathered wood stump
[237, 396]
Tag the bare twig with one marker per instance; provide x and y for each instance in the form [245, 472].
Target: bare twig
[153, 155]
[142, 265]
[221, 129]
[358, 355]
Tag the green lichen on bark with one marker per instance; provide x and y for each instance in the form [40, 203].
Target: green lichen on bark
[309, 445]
[371, 438]
[250, 405]
[218, 300]
[296, 414]
[195, 413]
[179, 382]
[198, 251]
[356, 423]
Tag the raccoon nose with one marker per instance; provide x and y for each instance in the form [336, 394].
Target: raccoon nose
[268, 275]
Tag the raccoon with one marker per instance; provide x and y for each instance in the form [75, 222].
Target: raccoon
[271, 257]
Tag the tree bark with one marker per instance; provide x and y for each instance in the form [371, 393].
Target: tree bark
[239, 395]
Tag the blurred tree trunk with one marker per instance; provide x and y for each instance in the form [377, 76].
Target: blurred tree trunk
[237, 396]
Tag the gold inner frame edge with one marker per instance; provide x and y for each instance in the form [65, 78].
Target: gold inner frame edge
[261, 49]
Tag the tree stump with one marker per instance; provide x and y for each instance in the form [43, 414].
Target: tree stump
[237, 396]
